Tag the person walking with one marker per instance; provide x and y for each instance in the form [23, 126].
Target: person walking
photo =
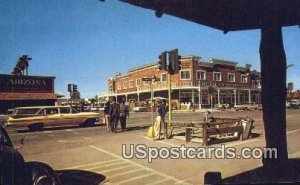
[114, 112]
[124, 112]
[106, 115]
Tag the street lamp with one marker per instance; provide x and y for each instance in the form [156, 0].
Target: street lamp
[289, 65]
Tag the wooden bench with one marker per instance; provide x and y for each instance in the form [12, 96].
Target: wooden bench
[216, 127]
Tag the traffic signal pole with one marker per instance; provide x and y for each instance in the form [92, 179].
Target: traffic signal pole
[170, 107]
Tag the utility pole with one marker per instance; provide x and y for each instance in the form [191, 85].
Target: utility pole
[169, 61]
[151, 80]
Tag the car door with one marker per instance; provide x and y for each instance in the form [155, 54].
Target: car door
[66, 116]
[52, 117]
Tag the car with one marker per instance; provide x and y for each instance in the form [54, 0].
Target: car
[293, 104]
[139, 109]
[15, 171]
[35, 118]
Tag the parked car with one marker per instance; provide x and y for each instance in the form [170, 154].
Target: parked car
[139, 109]
[293, 104]
[35, 118]
[15, 171]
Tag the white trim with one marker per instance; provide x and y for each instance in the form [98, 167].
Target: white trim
[228, 79]
[243, 75]
[200, 75]
[186, 70]
[119, 86]
[136, 82]
[131, 85]
[125, 84]
[214, 76]
[161, 77]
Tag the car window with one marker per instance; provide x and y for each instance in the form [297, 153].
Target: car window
[27, 111]
[74, 110]
[50, 111]
[65, 110]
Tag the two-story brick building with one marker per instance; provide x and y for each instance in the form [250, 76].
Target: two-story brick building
[232, 84]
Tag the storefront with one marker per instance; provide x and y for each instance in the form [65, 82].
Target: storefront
[20, 90]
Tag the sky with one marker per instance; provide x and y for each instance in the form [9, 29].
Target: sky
[87, 41]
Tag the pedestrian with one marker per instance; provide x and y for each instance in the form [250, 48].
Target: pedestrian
[124, 112]
[106, 114]
[114, 112]
[159, 119]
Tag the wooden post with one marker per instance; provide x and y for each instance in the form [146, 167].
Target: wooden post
[204, 135]
[273, 68]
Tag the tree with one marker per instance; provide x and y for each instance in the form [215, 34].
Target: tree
[22, 65]
[290, 87]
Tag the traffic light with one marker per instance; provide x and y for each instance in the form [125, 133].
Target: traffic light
[162, 63]
[70, 87]
[75, 88]
[174, 62]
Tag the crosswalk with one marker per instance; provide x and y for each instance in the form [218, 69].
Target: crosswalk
[118, 170]
[121, 171]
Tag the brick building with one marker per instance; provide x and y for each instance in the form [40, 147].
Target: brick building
[233, 85]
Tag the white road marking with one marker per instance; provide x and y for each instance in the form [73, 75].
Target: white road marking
[158, 182]
[91, 164]
[136, 164]
[184, 180]
[124, 173]
[112, 164]
[62, 141]
[135, 178]
[293, 131]
[115, 169]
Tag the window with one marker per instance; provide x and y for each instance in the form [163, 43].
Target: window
[125, 85]
[217, 76]
[185, 75]
[138, 82]
[163, 77]
[201, 75]
[244, 79]
[65, 110]
[130, 84]
[231, 77]
[51, 111]
[119, 86]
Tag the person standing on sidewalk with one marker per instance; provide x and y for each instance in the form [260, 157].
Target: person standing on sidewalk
[124, 112]
[159, 119]
[106, 115]
[114, 112]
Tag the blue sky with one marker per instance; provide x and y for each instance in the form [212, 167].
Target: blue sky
[87, 41]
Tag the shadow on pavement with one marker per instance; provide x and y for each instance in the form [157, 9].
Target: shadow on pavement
[129, 129]
[57, 128]
[289, 173]
[80, 177]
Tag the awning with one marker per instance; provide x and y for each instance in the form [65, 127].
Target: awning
[27, 96]
[226, 15]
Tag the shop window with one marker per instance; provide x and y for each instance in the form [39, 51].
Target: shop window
[164, 77]
[217, 76]
[201, 75]
[244, 79]
[185, 75]
[231, 77]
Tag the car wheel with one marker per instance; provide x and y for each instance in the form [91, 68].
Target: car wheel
[41, 174]
[36, 127]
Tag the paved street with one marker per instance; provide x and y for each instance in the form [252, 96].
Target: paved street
[92, 155]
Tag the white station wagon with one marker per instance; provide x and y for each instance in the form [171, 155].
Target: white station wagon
[35, 118]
